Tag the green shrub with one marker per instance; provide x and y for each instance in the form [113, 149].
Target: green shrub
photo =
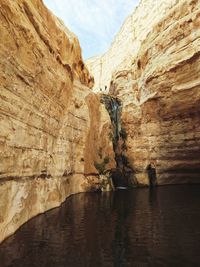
[106, 160]
[101, 167]
[110, 135]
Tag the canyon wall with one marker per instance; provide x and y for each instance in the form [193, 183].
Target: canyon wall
[159, 88]
[56, 135]
[53, 129]
[128, 41]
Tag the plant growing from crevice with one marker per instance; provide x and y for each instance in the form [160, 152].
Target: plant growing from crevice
[106, 160]
[111, 137]
[106, 182]
[118, 136]
[101, 167]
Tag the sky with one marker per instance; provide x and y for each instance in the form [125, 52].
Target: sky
[95, 22]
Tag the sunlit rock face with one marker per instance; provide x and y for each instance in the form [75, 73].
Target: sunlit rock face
[53, 128]
[160, 92]
[127, 42]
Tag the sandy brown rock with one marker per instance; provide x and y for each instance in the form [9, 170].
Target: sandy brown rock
[160, 94]
[47, 123]
[127, 42]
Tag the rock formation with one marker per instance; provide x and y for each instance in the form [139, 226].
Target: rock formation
[59, 138]
[53, 128]
[156, 78]
[128, 41]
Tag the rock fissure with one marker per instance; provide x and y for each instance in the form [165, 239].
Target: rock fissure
[122, 175]
[155, 77]
[50, 124]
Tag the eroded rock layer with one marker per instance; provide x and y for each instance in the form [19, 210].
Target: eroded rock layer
[52, 127]
[160, 92]
[128, 41]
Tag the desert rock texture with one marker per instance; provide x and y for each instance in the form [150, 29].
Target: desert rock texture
[156, 78]
[52, 127]
[127, 42]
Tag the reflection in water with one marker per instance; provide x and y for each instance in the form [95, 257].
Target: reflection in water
[121, 241]
[158, 227]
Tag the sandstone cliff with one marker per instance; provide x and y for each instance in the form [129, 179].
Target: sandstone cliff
[159, 88]
[128, 41]
[51, 122]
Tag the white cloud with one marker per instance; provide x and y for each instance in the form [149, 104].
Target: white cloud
[95, 22]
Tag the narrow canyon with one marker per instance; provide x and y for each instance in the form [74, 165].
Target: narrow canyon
[127, 118]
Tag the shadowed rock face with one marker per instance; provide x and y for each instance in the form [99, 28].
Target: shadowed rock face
[123, 174]
[160, 95]
[51, 124]
[159, 88]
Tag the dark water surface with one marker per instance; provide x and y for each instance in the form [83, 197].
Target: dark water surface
[160, 227]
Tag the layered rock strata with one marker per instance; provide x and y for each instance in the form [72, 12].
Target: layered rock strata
[128, 41]
[51, 124]
[160, 92]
